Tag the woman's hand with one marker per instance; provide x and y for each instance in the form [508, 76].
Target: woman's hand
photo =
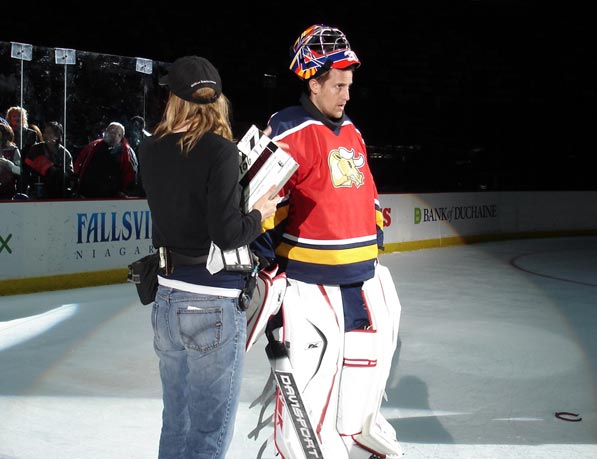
[267, 203]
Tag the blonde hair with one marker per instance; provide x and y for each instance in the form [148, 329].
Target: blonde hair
[198, 118]
[23, 113]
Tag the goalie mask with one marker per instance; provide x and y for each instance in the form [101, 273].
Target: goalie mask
[320, 48]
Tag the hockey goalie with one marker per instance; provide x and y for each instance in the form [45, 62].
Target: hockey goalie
[332, 324]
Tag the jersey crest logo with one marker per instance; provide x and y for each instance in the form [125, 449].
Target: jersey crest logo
[344, 168]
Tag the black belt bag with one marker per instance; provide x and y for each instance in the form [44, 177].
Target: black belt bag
[144, 274]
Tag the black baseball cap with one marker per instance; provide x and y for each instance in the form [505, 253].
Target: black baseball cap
[189, 73]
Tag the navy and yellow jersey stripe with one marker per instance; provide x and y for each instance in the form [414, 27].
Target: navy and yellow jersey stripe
[328, 262]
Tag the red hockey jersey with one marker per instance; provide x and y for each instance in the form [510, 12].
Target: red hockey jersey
[329, 228]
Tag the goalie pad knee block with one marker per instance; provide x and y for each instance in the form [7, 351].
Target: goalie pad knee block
[266, 301]
[361, 384]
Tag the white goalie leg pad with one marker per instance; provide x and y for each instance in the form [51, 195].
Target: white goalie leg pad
[313, 329]
[383, 284]
[266, 301]
[367, 363]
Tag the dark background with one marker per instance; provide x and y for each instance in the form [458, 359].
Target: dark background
[482, 94]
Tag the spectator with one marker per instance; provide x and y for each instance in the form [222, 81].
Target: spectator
[137, 131]
[25, 138]
[10, 163]
[51, 165]
[107, 167]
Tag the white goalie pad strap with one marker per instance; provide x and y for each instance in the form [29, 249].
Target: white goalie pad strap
[265, 303]
[313, 334]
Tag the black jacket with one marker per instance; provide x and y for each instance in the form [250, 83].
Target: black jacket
[196, 199]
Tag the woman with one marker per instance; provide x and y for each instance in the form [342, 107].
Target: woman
[25, 137]
[10, 162]
[190, 170]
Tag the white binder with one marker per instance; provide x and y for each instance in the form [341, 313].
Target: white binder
[262, 165]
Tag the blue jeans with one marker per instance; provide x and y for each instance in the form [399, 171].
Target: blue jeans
[200, 341]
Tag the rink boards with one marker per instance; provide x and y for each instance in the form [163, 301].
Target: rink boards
[46, 245]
